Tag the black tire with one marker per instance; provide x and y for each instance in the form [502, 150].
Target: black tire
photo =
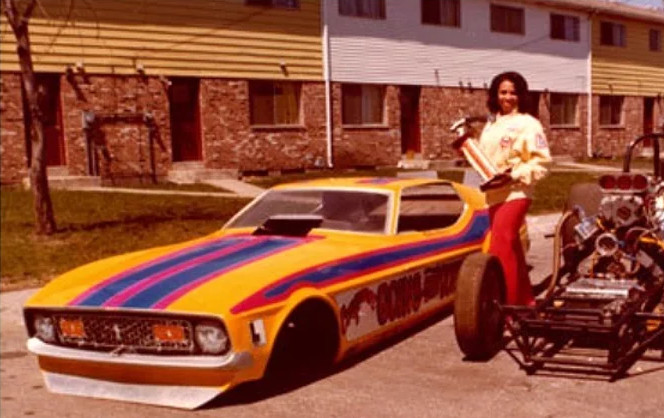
[478, 323]
[306, 344]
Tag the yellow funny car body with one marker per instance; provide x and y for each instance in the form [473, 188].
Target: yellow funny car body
[307, 273]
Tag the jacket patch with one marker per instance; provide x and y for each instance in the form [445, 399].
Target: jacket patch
[540, 141]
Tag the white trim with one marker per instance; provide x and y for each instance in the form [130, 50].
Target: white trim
[231, 361]
[589, 89]
[328, 85]
[176, 396]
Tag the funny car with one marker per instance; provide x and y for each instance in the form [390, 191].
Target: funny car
[305, 275]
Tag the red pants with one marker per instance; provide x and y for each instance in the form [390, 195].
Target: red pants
[506, 219]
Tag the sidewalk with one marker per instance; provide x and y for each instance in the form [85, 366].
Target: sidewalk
[236, 188]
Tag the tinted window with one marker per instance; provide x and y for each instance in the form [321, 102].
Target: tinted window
[428, 207]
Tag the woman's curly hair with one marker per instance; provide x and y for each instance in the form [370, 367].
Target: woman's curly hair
[520, 87]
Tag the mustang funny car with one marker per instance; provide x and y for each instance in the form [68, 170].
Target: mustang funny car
[305, 275]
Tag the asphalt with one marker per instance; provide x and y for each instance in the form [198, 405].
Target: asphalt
[420, 374]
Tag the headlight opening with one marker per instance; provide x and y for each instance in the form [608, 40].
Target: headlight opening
[44, 327]
[211, 338]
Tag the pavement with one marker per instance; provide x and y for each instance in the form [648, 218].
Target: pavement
[418, 374]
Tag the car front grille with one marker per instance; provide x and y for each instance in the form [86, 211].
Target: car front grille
[130, 333]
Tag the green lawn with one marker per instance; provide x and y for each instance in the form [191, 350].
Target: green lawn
[196, 187]
[269, 181]
[644, 163]
[552, 191]
[96, 225]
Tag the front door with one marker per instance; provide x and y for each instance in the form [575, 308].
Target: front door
[48, 87]
[648, 118]
[648, 115]
[185, 119]
[409, 101]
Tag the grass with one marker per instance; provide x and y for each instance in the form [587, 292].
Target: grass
[266, 182]
[197, 187]
[644, 163]
[552, 191]
[96, 225]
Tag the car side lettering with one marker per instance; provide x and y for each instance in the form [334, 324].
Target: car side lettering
[371, 307]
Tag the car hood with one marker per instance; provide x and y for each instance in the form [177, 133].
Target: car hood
[235, 272]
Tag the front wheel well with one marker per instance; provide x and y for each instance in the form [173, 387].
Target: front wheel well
[307, 341]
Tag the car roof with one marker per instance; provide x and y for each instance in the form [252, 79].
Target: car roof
[369, 183]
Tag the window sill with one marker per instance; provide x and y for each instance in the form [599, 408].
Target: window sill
[508, 33]
[612, 127]
[367, 126]
[362, 17]
[441, 25]
[278, 127]
[566, 40]
[567, 127]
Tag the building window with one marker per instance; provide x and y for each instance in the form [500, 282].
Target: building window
[275, 103]
[507, 19]
[564, 27]
[610, 110]
[281, 4]
[441, 12]
[564, 109]
[612, 34]
[655, 40]
[374, 9]
[362, 104]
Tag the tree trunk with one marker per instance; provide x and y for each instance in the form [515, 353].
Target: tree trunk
[43, 207]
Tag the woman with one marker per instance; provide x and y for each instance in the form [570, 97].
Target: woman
[516, 144]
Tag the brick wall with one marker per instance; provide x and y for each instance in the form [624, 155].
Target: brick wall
[568, 140]
[12, 130]
[356, 146]
[123, 146]
[612, 141]
[440, 107]
[230, 141]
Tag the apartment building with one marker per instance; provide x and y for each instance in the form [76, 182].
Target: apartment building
[137, 90]
[188, 90]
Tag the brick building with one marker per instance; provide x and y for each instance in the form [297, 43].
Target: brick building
[182, 89]
[207, 88]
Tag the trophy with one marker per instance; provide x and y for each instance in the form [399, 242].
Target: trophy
[493, 178]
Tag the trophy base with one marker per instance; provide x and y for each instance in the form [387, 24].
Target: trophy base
[496, 182]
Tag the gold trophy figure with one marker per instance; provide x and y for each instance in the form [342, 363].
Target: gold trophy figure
[493, 178]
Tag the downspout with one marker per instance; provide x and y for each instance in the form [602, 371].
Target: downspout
[589, 87]
[328, 85]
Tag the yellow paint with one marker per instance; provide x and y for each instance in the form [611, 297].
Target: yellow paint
[205, 38]
[218, 297]
[630, 70]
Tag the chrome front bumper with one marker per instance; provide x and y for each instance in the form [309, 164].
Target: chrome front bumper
[171, 393]
[230, 361]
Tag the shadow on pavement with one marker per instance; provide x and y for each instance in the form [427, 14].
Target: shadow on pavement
[265, 388]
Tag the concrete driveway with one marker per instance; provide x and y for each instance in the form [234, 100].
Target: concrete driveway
[420, 375]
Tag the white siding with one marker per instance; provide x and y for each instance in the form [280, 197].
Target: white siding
[402, 50]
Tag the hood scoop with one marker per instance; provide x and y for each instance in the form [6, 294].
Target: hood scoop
[289, 225]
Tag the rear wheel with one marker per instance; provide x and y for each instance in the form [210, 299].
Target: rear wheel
[307, 342]
[478, 323]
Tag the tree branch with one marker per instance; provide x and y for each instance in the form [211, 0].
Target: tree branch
[27, 13]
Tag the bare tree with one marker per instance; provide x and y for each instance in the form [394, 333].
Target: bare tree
[43, 207]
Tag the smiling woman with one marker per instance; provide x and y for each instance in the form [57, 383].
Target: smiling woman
[515, 143]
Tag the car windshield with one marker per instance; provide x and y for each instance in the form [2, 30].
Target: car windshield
[341, 210]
